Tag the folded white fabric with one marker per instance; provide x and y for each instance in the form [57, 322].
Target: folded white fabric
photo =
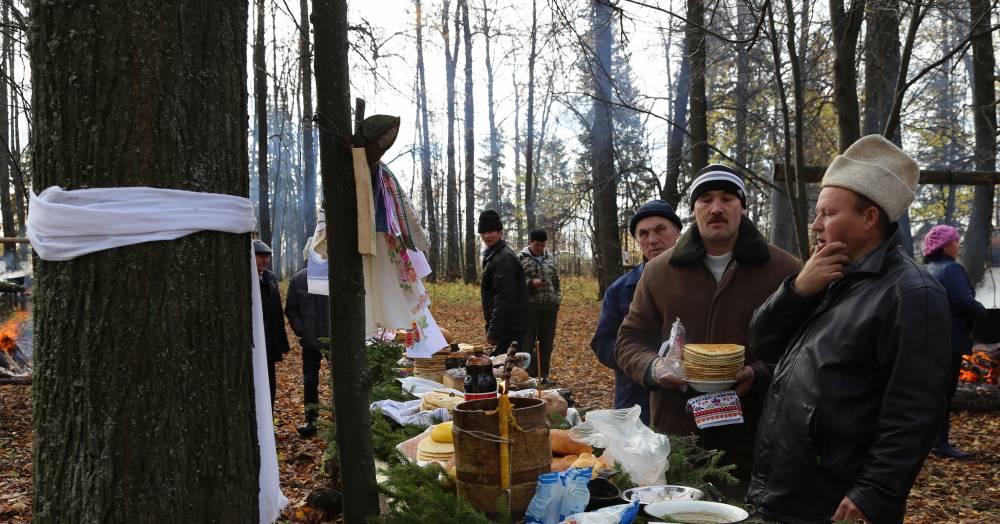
[63, 225]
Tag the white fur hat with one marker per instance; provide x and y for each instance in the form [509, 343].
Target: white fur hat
[876, 168]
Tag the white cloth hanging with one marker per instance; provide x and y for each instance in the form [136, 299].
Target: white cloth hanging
[64, 225]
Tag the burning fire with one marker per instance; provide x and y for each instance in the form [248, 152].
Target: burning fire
[979, 368]
[10, 330]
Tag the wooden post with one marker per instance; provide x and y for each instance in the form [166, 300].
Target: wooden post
[347, 294]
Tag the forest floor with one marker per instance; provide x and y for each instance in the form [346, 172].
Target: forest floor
[946, 491]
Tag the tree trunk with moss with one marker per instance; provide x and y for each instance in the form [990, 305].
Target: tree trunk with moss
[143, 396]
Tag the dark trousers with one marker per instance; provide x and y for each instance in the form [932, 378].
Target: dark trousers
[270, 378]
[311, 359]
[956, 368]
[541, 336]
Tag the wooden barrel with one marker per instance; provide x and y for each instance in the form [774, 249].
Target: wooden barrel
[477, 459]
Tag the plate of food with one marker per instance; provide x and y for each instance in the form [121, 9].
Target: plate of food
[651, 494]
[710, 386]
[696, 512]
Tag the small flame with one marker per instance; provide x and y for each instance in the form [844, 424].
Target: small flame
[10, 330]
[979, 368]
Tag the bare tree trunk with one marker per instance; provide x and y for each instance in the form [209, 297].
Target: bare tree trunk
[791, 186]
[494, 194]
[602, 158]
[142, 394]
[453, 269]
[425, 152]
[529, 153]
[260, 108]
[6, 208]
[675, 142]
[518, 202]
[347, 293]
[845, 31]
[470, 155]
[984, 103]
[698, 104]
[882, 61]
[308, 148]
[20, 197]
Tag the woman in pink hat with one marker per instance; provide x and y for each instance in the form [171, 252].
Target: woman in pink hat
[940, 251]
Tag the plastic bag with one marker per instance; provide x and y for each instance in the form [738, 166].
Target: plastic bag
[626, 440]
[670, 361]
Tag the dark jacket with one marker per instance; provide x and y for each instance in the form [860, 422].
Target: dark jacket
[550, 294]
[503, 292]
[859, 391]
[617, 299]
[308, 314]
[274, 320]
[677, 284]
[965, 310]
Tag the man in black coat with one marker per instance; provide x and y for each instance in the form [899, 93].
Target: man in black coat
[503, 290]
[860, 337]
[309, 316]
[274, 320]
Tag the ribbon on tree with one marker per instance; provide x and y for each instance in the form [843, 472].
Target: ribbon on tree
[64, 225]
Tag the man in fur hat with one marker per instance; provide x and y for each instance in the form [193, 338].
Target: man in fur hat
[719, 271]
[861, 338]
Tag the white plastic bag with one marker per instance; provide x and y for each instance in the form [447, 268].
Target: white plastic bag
[626, 440]
[671, 355]
[418, 387]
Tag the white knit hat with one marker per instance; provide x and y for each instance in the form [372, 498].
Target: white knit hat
[876, 168]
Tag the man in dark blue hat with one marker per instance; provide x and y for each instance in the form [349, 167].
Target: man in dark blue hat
[656, 227]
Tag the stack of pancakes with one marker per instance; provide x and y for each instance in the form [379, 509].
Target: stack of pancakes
[438, 446]
[712, 362]
[440, 399]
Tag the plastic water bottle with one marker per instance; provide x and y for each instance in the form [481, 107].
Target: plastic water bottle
[547, 482]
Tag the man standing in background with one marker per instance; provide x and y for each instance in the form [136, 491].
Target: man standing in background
[544, 297]
[656, 227]
[309, 316]
[274, 320]
[502, 290]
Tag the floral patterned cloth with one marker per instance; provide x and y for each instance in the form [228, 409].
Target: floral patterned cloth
[716, 409]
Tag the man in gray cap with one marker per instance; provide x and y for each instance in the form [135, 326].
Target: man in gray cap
[274, 320]
[719, 271]
[861, 338]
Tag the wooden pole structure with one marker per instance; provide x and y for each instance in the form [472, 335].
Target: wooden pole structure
[927, 176]
[347, 294]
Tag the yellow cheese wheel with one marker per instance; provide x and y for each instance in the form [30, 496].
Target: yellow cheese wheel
[442, 432]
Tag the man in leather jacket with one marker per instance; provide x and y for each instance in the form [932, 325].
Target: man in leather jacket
[502, 290]
[861, 339]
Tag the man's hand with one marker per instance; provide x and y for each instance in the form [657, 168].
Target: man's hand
[744, 379]
[537, 282]
[670, 382]
[490, 342]
[848, 511]
[823, 267]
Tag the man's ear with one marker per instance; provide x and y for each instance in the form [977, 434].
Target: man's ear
[871, 218]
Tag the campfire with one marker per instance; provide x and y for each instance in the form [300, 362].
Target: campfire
[981, 367]
[15, 361]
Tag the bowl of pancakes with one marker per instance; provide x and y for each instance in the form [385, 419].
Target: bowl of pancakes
[712, 367]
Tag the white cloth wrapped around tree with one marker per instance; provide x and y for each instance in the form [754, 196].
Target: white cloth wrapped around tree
[64, 225]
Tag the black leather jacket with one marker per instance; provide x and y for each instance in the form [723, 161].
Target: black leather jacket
[503, 292]
[308, 314]
[858, 394]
